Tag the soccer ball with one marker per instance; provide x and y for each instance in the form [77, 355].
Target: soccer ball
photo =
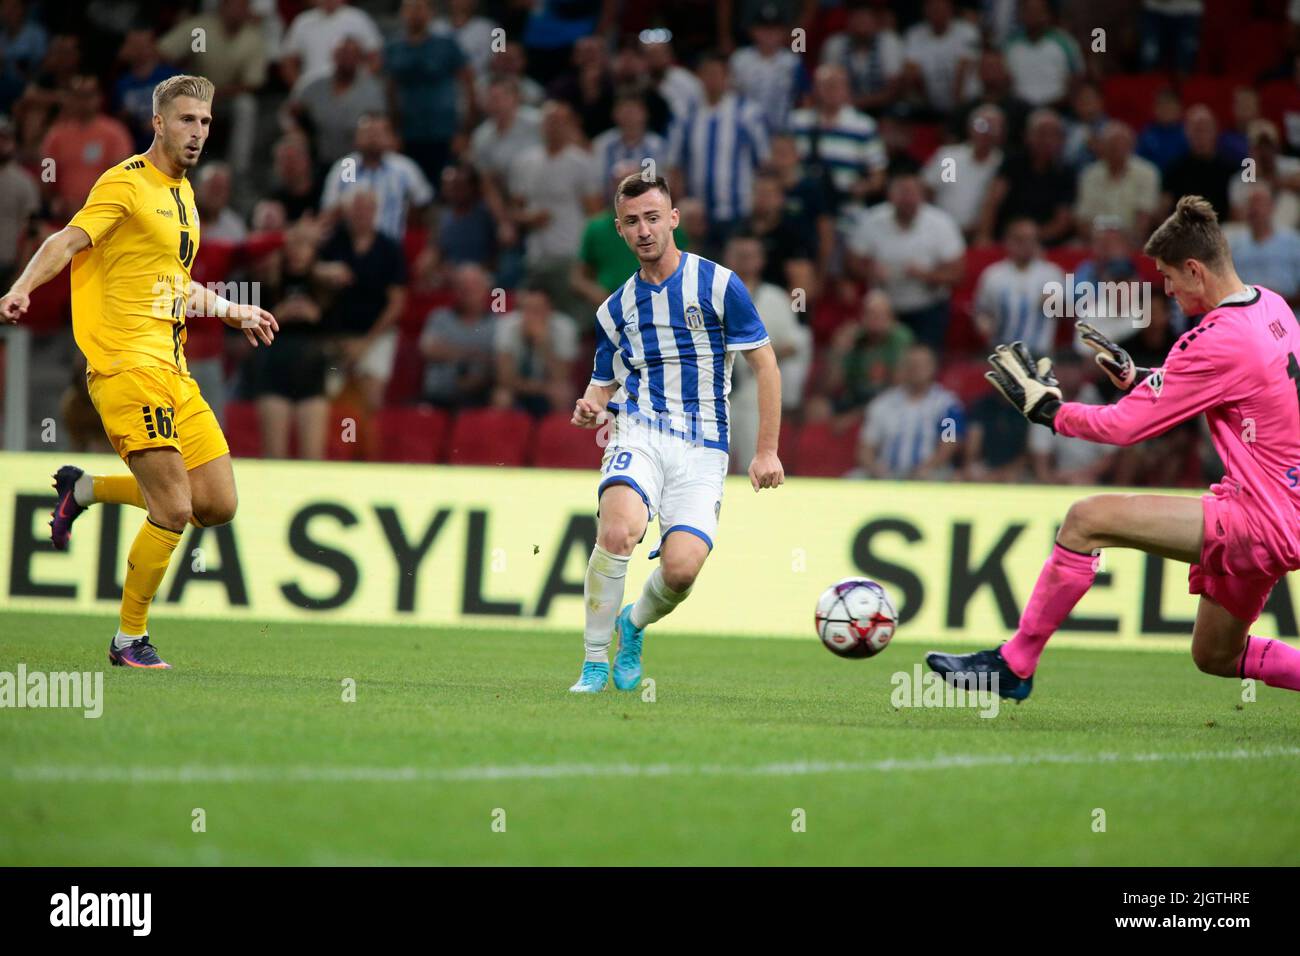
[855, 618]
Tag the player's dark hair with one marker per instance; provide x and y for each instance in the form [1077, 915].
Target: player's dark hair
[1191, 232]
[634, 185]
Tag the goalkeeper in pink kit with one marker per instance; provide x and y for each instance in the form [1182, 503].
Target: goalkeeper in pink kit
[1240, 365]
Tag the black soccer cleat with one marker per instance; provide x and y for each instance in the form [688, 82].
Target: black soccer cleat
[67, 510]
[983, 670]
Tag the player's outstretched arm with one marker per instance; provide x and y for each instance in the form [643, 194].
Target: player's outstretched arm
[255, 322]
[51, 258]
[589, 411]
[766, 471]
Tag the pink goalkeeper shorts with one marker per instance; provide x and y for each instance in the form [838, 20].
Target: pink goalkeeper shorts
[1244, 554]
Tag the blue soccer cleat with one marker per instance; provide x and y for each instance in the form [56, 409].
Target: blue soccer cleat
[67, 510]
[965, 670]
[595, 674]
[139, 653]
[627, 662]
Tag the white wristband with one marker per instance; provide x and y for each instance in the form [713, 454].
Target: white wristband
[222, 307]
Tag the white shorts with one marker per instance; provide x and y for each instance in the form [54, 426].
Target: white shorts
[679, 481]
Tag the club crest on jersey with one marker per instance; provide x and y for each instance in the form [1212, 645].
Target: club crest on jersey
[694, 317]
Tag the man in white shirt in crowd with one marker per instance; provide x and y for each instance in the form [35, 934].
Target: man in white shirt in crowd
[914, 429]
[308, 48]
[1119, 184]
[1010, 294]
[958, 176]
[940, 54]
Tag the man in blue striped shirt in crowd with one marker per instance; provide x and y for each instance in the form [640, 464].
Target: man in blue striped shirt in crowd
[665, 343]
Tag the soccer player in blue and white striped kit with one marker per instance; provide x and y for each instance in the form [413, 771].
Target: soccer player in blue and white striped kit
[665, 342]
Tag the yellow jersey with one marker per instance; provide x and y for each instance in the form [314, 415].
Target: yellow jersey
[130, 288]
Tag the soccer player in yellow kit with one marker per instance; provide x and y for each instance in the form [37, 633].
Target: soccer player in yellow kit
[131, 247]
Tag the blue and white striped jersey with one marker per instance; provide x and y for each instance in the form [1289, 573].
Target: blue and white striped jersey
[718, 148]
[670, 347]
[609, 150]
[905, 429]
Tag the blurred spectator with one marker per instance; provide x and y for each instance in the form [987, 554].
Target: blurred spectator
[995, 90]
[629, 140]
[769, 73]
[1119, 184]
[396, 181]
[1234, 142]
[997, 437]
[913, 429]
[1202, 171]
[233, 56]
[715, 150]
[915, 252]
[1083, 129]
[959, 176]
[507, 132]
[791, 341]
[1171, 31]
[1120, 313]
[589, 89]
[838, 145]
[82, 142]
[871, 54]
[604, 260]
[1010, 295]
[1163, 141]
[465, 229]
[472, 32]
[23, 41]
[1270, 168]
[940, 54]
[535, 350]
[46, 93]
[307, 53]
[212, 197]
[80, 419]
[806, 202]
[367, 272]
[332, 106]
[864, 355]
[429, 75]
[509, 65]
[1043, 59]
[676, 84]
[294, 185]
[1033, 183]
[1069, 461]
[458, 344]
[133, 92]
[787, 258]
[20, 200]
[288, 381]
[11, 88]
[554, 189]
[1263, 253]
[555, 26]
[631, 73]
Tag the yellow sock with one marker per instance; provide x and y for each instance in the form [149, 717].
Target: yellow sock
[145, 566]
[118, 490]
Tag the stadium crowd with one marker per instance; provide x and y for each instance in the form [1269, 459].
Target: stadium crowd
[420, 190]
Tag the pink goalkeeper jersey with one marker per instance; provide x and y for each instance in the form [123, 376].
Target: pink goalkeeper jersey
[1241, 366]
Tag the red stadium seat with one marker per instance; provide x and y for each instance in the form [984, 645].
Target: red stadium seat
[406, 380]
[786, 446]
[490, 436]
[978, 258]
[1254, 49]
[557, 444]
[243, 431]
[414, 434]
[823, 452]
[965, 379]
[1131, 97]
[1213, 91]
[1068, 257]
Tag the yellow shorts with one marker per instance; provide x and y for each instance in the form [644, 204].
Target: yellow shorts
[151, 407]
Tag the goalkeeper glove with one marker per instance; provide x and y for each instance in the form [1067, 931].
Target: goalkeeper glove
[1031, 387]
[1114, 360]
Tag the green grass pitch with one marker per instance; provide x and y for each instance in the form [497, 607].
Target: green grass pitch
[464, 747]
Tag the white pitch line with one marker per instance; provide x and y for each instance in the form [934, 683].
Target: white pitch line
[67, 773]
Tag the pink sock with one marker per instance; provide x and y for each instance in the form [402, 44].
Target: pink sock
[1274, 662]
[1065, 578]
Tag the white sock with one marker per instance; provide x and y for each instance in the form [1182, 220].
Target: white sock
[603, 593]
[83, 490]
[656, 601]
[124, 640]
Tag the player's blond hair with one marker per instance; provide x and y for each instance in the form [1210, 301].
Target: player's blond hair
[1191, 232]
[199, 87]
